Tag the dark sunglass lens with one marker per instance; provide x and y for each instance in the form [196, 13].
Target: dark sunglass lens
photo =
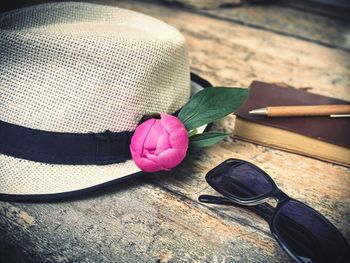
[308, 235]
[241, 180]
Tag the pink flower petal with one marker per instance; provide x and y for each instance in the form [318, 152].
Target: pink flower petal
[139, 136]
[171, 123]
[163, 143]
[135, 156]
[152, 157]
[145, 152]
[179, 139]
[149, 166]
[170, 158]
[155, 159]
[145, 164]
[155, 132]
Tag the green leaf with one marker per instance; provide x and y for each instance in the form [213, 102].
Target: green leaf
[206, 139]
[211, 104]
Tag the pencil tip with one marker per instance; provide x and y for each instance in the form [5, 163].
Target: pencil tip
[261, 111]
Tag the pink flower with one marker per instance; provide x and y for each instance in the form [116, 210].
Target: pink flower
[159, 144]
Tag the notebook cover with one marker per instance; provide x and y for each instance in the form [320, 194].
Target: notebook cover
[332, 130]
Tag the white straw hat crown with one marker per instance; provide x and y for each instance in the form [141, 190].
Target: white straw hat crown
[75, 67]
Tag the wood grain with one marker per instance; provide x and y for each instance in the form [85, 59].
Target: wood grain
[309, 26]
[234, 55]
[206, 4]
[158, 218]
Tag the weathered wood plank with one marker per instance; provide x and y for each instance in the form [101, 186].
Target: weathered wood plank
[205, 4]
[158, 218]
[316, 28]
[134, 222]
[234, 55]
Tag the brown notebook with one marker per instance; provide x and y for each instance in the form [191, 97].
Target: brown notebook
[324, 138]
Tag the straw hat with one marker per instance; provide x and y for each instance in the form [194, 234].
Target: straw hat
[75, 79]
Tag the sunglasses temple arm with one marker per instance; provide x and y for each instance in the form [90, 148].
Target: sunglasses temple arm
[264, 210]
[217, 200]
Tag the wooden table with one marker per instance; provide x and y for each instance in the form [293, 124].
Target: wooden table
[158, 218]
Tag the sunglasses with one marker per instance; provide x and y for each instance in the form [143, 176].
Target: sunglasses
[304, 234]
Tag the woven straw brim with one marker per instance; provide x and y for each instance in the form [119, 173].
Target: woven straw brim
[20, 177]
[23, 177]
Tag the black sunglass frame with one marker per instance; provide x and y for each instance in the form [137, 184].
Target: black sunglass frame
[259, 206]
